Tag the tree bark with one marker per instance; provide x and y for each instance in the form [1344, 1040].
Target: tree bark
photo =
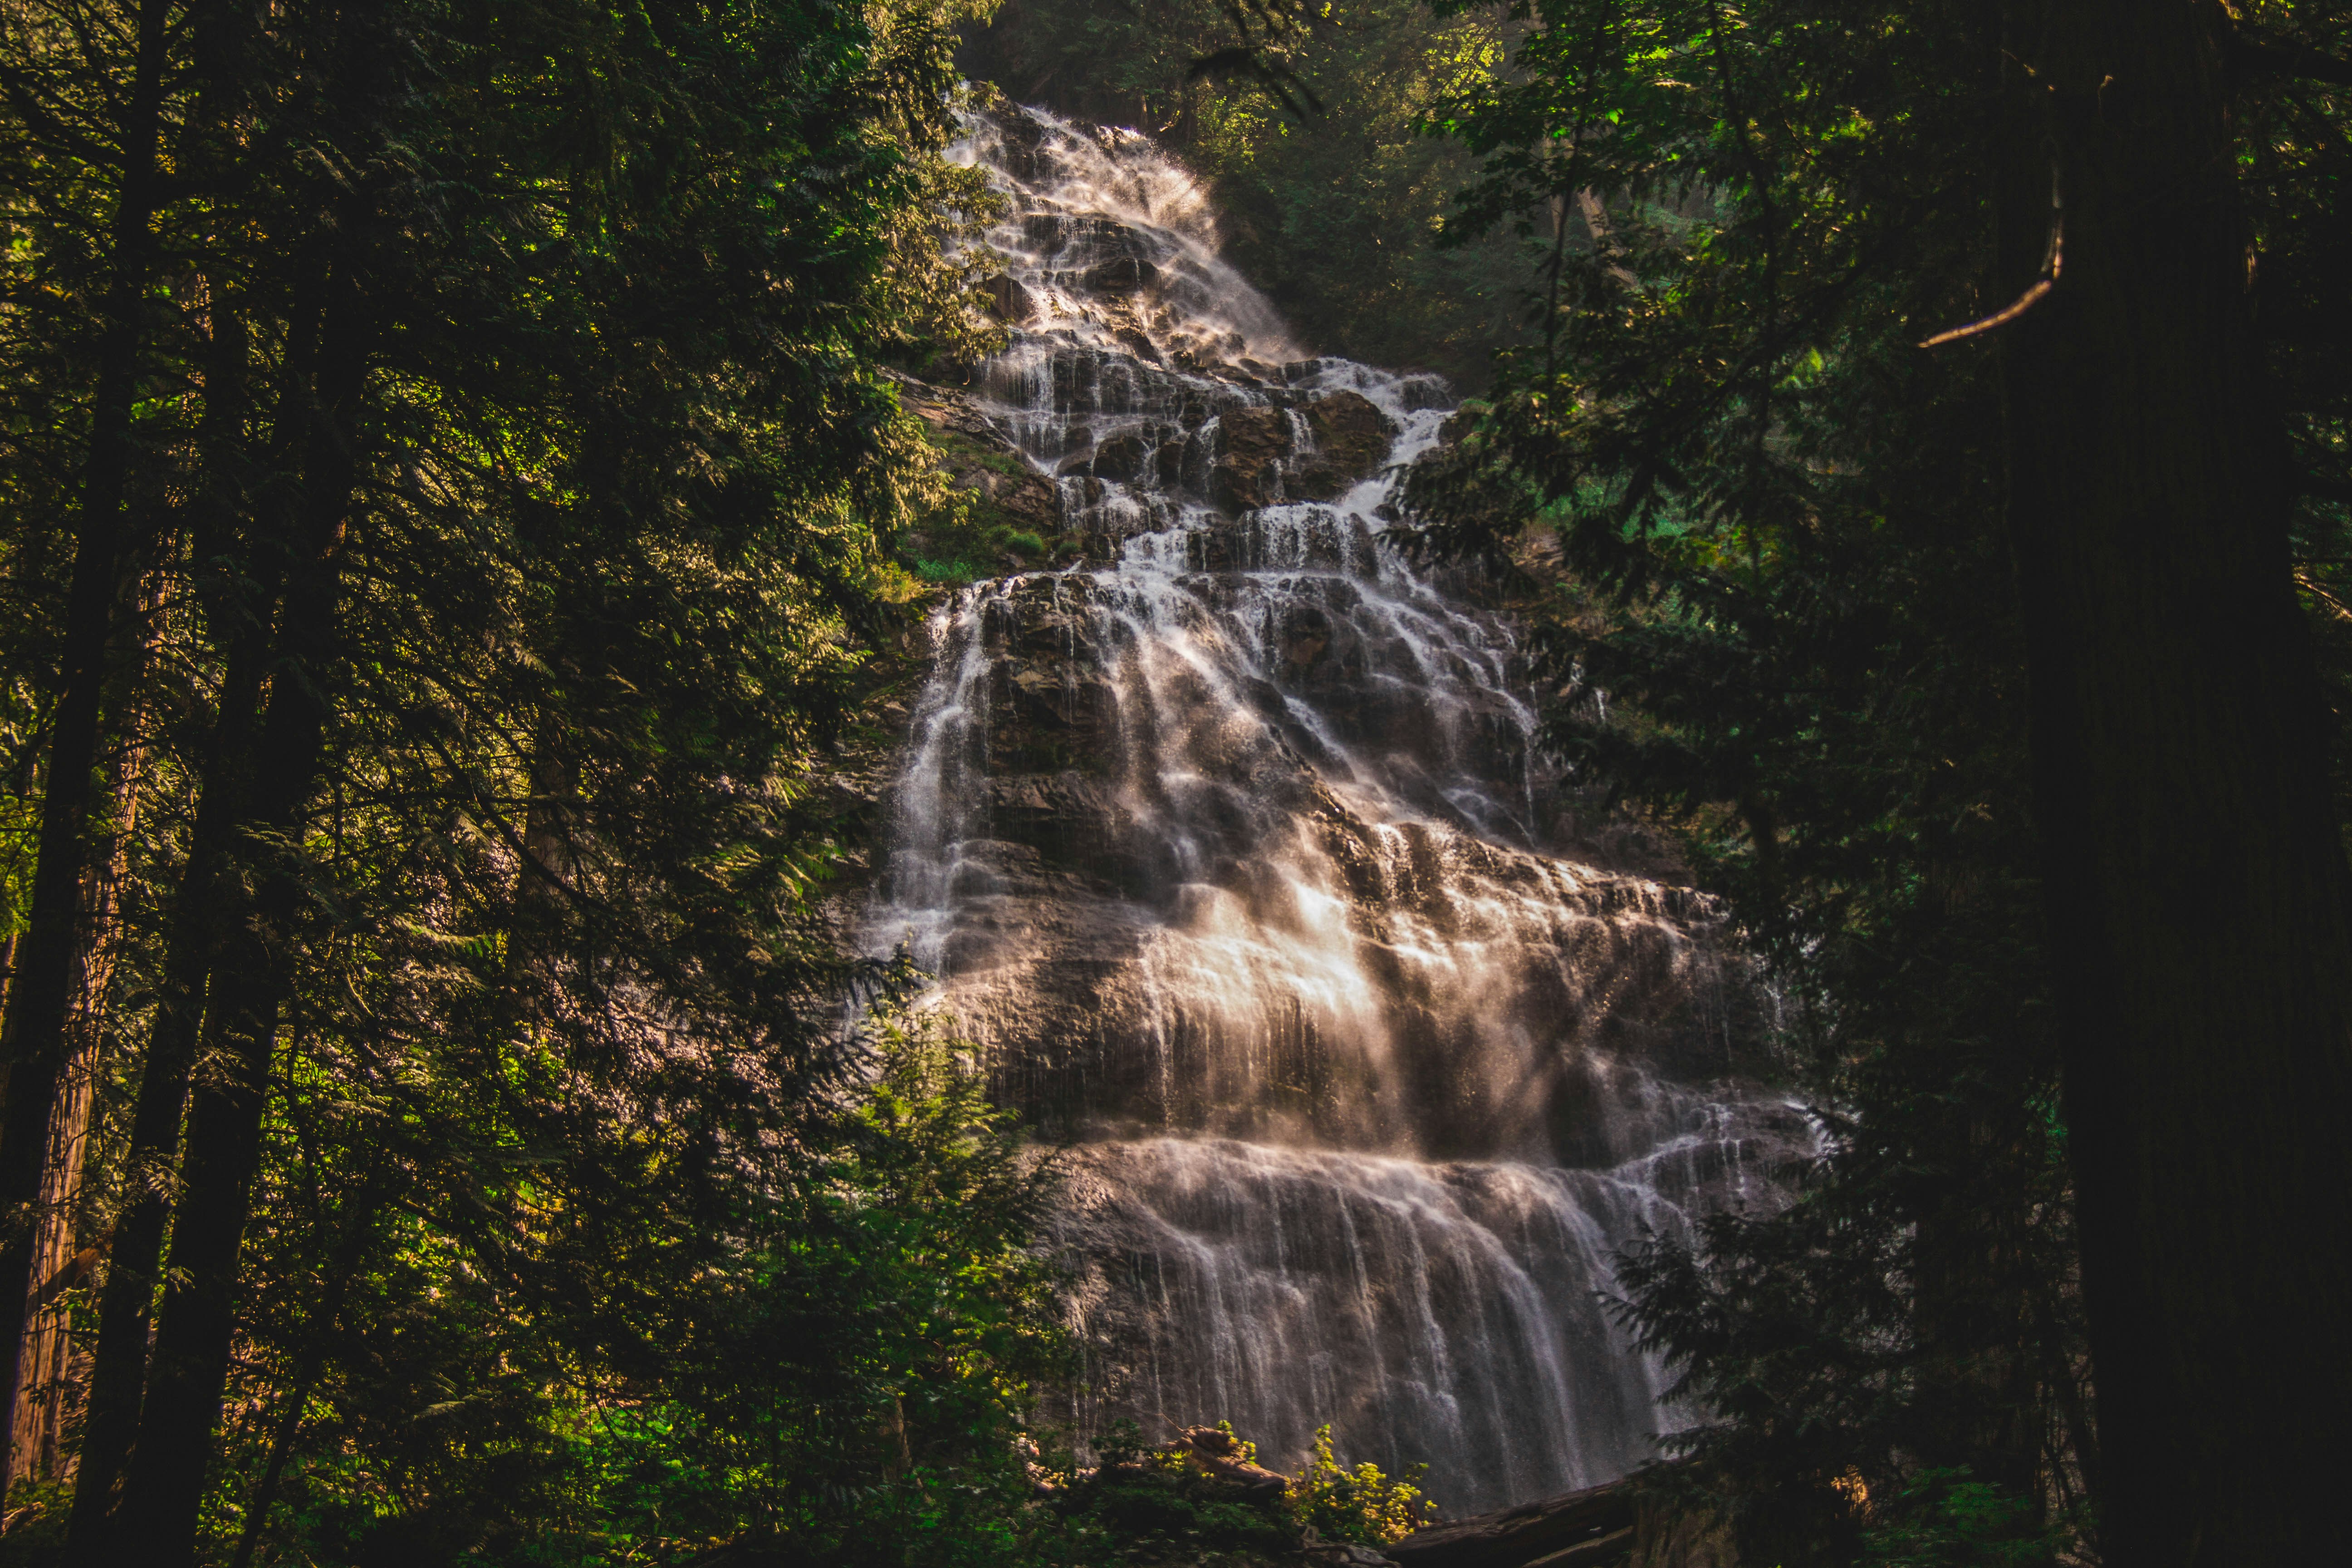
[33, 1043]
[38, 1409]
[188, 1368]
[240, 618]
[118, 1361]
[2200, 921]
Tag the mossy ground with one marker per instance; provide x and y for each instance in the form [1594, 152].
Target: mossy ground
[971, 536]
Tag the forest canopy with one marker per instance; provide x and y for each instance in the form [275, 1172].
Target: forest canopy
[448, 461]
[454, 496]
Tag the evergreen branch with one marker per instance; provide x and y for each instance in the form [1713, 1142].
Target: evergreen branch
[2288, 61]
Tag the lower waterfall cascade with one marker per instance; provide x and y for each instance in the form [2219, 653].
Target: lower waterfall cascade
[1230, 841]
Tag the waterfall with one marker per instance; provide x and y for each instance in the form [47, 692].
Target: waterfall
[1232, 843]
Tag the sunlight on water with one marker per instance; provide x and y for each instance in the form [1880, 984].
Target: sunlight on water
[1234, 845]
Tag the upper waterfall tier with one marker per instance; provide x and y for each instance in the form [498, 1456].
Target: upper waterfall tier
[1233, 842]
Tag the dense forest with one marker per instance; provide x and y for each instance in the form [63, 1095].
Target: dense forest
[463, 511]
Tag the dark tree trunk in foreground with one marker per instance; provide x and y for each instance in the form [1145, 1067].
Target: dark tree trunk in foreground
[2201, 941]
[37, 1413]
[33, 1043]
[242, 609]
[154, 1524]
[118, 1362]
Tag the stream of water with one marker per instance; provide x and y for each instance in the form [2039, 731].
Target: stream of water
[1232, 842]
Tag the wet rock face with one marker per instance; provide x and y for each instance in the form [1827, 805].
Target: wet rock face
[1251, 445]
[1232, 846]
[1124, 458]
[1007, 300]
[1352, 435]
[981, 460]
[1121, 275]
[1131, 908]
[1314, 453]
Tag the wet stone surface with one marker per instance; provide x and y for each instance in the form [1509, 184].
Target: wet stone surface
[1231, 840]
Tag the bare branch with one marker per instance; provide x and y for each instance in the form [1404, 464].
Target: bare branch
[2053, 258]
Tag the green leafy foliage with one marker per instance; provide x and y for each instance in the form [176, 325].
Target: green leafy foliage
[1754, 525]
[510, 406]
[1945, 1519]
[1756, 522]
[513, 390]
[1359, 1503]
[1147, 1505]
[841, 1379]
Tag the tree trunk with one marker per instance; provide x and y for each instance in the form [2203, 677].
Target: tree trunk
[2200, 926]
[38, 1407]
[33, 1046]
[240, 619]
[188, 1370]
[243, 609]
[118, 1361]
[358, 1229]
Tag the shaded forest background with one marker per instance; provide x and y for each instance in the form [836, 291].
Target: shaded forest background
[453, 496]
[1336, 213]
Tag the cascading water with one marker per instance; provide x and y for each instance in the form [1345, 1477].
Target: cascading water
[1230, 841]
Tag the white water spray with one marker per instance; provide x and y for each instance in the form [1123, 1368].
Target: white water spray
[1234, 845]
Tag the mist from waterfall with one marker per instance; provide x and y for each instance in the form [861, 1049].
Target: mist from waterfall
[1232, 843]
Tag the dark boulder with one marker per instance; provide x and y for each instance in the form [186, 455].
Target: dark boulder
[1461, 422]
[1025, 136]
[1137, 342]
[1255, 446]
[1340, 1553]
[1026, 499]
[1007, 301]
[1352, 435]
[1250, 442]
[1044, 232]
[1122, 457]
[1306, 633]
[1119, 275]
[978, 460]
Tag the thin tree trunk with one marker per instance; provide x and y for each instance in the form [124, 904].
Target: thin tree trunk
[32, 1046]
[350, 1247]
[2200, 918]
[38, 1412]
[118, 1361]
[188, 1368]
[240, 609]
[7, 989]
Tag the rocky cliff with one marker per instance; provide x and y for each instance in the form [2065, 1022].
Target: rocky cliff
[1230, 838]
